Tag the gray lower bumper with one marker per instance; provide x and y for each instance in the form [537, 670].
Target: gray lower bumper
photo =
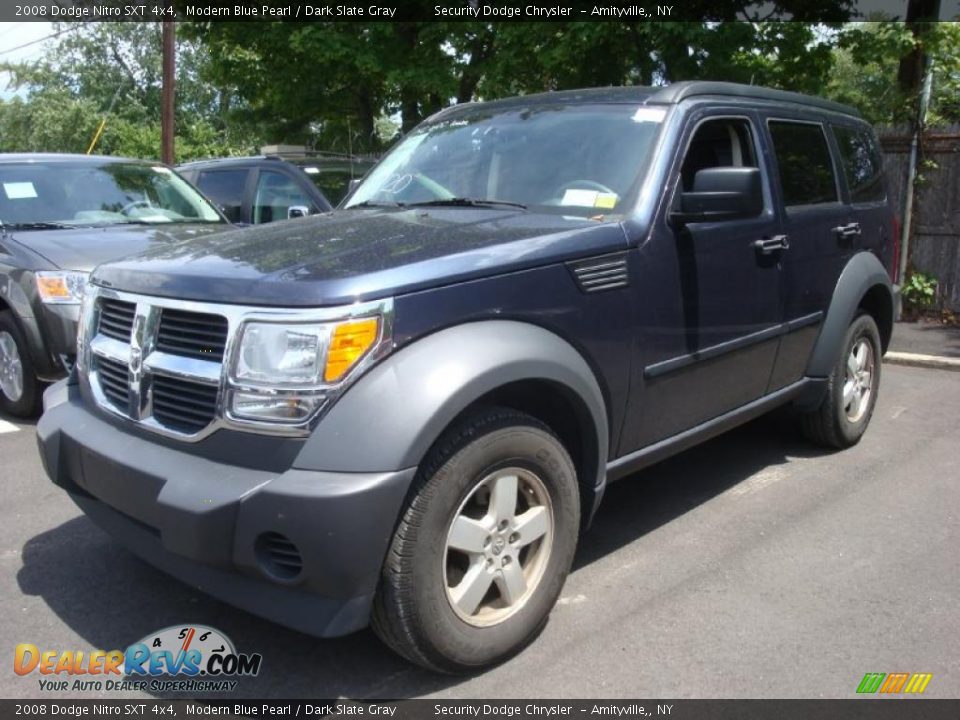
[210, 524]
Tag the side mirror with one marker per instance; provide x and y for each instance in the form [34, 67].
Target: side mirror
[297, 211]
[723, 193]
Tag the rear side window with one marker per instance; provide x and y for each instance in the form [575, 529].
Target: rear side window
[803, 161]
[224, 187]
[862, 165]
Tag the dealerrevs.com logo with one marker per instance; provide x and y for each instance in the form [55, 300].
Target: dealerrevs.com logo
[180, 658]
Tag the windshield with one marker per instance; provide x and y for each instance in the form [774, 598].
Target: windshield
[578, 159]
[81, 194]
[333, 180]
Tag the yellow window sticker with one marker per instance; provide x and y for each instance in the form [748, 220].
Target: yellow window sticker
[606, 200]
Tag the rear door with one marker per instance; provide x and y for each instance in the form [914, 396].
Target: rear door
[869, 219]
[819, 227]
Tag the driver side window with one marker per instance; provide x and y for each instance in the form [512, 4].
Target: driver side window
[725, 142]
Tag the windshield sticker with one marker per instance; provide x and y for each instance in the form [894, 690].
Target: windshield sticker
[606, 200]
[581, 198]
[649, 114]
[589, 198]
[19, 190]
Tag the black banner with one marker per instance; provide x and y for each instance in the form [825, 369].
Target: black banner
[457, 10]
[858, 709]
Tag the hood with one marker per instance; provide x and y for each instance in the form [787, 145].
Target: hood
[356, 255]
[84, 248]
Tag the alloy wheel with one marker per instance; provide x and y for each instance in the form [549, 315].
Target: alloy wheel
[858, 382]
[498, 546]
[11, 368]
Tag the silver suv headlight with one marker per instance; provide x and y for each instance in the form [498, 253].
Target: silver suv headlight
[280, 372]
[61, 287]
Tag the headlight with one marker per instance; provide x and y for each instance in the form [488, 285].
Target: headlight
[281, 371]
[59, 287]
[282, 354]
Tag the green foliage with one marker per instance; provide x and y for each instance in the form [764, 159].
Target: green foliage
[352, 87]
[865, 65]
[115, 67]
[337, 80]
[919, 291]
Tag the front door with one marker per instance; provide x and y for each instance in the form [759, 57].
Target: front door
[712, 307]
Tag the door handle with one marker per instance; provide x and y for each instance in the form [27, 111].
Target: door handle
[850, 230]
[771, 245]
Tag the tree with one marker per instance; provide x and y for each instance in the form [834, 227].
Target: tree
[867, 62]
[99, 67]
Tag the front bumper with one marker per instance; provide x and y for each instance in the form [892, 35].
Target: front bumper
[214, 525]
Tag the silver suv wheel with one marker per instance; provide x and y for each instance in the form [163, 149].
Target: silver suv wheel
[11, 368]
[498, 546]
[858, 383]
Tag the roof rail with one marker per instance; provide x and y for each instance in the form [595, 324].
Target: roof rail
[676, 92]
[319, 155]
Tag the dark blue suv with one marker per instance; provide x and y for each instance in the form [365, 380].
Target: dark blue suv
[403, 412]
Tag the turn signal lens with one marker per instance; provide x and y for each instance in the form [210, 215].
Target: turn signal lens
[349, 343]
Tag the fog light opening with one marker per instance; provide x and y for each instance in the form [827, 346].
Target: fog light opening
[278, 556]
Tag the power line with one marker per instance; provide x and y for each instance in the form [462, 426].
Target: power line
[40, 40]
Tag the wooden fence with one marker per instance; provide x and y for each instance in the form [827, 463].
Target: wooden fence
[935, 246]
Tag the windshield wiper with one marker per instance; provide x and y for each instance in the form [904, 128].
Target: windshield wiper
[38, 226]
[375, 204]
[466, 202]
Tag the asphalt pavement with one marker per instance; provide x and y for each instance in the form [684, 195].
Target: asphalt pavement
[755, 565]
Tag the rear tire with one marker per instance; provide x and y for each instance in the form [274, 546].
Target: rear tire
[852, 389]
[481, 553]
[20, 391]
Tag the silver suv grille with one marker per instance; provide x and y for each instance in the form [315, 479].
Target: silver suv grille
[157, 365]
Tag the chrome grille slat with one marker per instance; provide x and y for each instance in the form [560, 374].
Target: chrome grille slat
[186, 393]
[196, 335]
[181, 403]
[113, 380]
[116, 319]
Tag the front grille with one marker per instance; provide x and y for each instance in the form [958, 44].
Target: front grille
[151, 375]
[116, 319]
[113, 382]
[182, 405]
[194, 335]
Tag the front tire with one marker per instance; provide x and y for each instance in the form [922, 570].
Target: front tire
[852, 389]
[481, 554]
[20, 394]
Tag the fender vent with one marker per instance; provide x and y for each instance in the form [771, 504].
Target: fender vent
[597, 274]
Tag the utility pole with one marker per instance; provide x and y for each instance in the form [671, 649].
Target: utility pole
[167, 96]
